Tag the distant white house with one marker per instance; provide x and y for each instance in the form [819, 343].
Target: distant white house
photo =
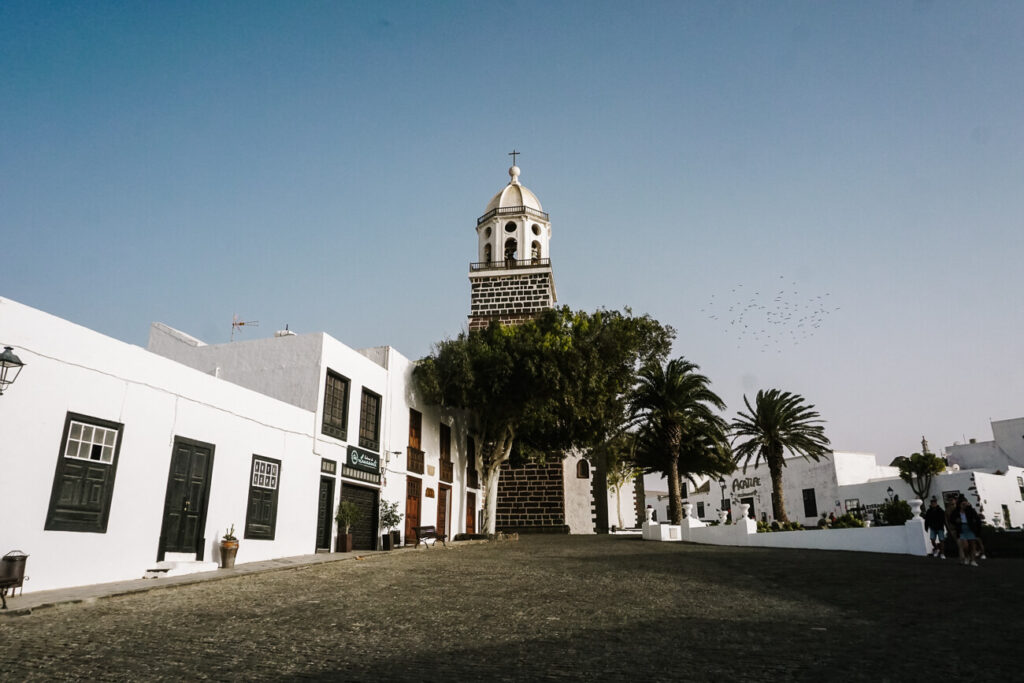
[1005, 450]
[845, 481]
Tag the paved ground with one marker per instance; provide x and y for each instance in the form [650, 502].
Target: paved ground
[549, 608]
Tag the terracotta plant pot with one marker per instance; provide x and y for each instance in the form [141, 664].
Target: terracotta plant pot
[228, 550]
[344, 544]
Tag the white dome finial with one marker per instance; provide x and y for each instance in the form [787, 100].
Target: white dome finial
[513, 172]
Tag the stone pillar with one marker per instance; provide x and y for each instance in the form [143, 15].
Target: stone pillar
[917, 537]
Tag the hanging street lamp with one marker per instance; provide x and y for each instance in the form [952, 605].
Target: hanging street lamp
[10, 366]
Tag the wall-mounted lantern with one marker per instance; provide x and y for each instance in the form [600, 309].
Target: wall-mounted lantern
[890, 492]
[10, 366]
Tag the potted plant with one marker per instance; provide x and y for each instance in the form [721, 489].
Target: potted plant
[228, 548]
[389, 519]
[348, 514]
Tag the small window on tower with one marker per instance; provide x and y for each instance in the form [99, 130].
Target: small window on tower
[510, 227]
[535, 251]
[536, 229]
[487, 253]
[487, 231]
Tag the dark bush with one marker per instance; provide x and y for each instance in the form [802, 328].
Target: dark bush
[847, 521]
[895, 512]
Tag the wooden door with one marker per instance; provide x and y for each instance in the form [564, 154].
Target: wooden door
[470, 513]
[324, 518]
[444, 494]
[187, 496]
[364, 532]
[412, 507]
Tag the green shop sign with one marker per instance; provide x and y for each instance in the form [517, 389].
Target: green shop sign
[363, 460]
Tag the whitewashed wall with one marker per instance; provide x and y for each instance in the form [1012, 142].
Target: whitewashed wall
[625, 507]
[382, 370]
[578, 496]
[70, 368]
[994, 491]
[402, 397]
[799, 474]
[909, 539]
[1006, 448]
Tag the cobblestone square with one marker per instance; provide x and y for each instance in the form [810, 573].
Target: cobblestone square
[548, 608]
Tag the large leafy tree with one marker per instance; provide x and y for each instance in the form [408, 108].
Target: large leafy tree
[919, 469]
[678, 432]
[778, 422]
[548, 386]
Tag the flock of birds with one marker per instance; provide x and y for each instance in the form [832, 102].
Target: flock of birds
[772, 318]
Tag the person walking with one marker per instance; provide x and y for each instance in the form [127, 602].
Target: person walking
[968, 527]
[951, 527]
[935, 523]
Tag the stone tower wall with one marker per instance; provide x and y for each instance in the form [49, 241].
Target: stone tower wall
[531, 499]
[510, 298]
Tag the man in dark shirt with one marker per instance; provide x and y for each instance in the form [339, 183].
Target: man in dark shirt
[935, 523]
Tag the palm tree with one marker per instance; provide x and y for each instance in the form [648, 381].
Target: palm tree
[672, 407]
[779, 422]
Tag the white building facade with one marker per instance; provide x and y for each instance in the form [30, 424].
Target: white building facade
[1006, 449]
[119, 458]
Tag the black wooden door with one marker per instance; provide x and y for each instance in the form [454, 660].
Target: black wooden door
[188, 491]
[364, 532]
[324, 518]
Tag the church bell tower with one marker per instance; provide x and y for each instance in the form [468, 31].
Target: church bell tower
[511, 280]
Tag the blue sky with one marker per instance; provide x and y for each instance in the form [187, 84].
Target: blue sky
[323, 165]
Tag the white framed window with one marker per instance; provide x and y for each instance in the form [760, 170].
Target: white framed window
[264, 473]
[90, 442]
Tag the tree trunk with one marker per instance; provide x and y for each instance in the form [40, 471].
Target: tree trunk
[618, 504]
[778, 502]
[490, 476]
[675, 499]
[921, 484]
[490, 470]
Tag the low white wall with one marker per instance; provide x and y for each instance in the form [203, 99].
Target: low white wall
[909, 539]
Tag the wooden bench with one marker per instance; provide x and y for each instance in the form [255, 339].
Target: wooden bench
[428, 536]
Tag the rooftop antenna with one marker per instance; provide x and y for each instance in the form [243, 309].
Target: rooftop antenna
[237, 324]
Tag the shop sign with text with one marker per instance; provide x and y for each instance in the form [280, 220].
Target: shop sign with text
[366, 461]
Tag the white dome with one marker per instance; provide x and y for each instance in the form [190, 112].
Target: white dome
[514, 194]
